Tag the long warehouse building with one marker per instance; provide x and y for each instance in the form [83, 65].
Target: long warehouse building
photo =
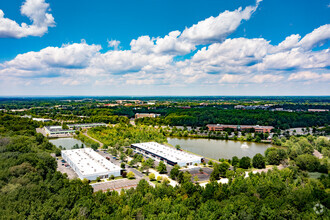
[89, 164]
[167, 154]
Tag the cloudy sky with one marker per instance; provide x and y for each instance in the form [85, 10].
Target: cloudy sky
[153, 47]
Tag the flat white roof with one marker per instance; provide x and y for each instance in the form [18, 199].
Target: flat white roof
[169, 153]
[89, 162]
[87, 124]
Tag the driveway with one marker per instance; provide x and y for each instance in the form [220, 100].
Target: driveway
[117, 162]
[85, 133]
[68, 170]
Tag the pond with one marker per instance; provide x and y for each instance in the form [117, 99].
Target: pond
[216, 149]
[66, 143]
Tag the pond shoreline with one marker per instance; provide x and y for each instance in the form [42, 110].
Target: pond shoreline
[67, 142]
[217, 149]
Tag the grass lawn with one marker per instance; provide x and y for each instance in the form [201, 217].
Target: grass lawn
[156, 182]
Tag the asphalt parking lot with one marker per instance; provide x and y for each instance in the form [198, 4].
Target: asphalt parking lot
[117, 162]
[202, 176]
[68, 170]
[115, 185]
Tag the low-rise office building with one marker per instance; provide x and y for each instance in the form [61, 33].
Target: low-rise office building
[257, 128]
[42, 119]
[318, 110]
[146, 115]
[87, 125]
[167, 154]
[57, 130]
[88, 164]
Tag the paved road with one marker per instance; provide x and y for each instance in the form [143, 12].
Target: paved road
[85, 133]
[138, 174]
[115, 185]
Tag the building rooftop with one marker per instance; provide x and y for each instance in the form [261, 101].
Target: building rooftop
[169, 153]
[89, 162]
[57, 128]
[241, 126]
[86, 125]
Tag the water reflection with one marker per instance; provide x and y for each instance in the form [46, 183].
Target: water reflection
[219, 148]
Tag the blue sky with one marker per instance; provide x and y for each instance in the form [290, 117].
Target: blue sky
[103, 47]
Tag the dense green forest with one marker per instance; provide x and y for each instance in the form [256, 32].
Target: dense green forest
[125, 135]
[203, 116]
[31, 188]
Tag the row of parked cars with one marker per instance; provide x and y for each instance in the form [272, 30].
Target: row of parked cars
[64, 163]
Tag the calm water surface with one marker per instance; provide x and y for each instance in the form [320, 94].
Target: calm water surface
[216, 149]
[65, 142]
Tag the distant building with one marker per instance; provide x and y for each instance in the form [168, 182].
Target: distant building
[57, 130]
[151, 103]
[41, 119]
[89, 164]
[167, 154]
[110, 105]
[257, 128]
[146, 115]
[26, 116]
[318, 110]
[87, 125]
[239, 107]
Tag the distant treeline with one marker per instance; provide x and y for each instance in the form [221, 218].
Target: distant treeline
[28, 102]
[210, 115]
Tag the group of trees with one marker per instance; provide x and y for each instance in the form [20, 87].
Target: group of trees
[31, 188]
[125, 135]
[161, 168]
[219, 170]
[299, 149]
[180, 176]
[217, 115]
[298, 152]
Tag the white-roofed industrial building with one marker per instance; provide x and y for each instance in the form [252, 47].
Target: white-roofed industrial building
[167, 154]
[89, 164]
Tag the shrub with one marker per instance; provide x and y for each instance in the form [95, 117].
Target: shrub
[258, 161]
[130, 175]
[161, 167]
[124, 174]
[245, 163]
[235, 161]
[308, 162]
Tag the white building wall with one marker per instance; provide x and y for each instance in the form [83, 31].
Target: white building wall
[89, 177]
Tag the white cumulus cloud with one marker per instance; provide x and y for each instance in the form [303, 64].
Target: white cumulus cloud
[114, 44]
[215, 29]
[308, 75]
[36, 11]
[69, 56]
